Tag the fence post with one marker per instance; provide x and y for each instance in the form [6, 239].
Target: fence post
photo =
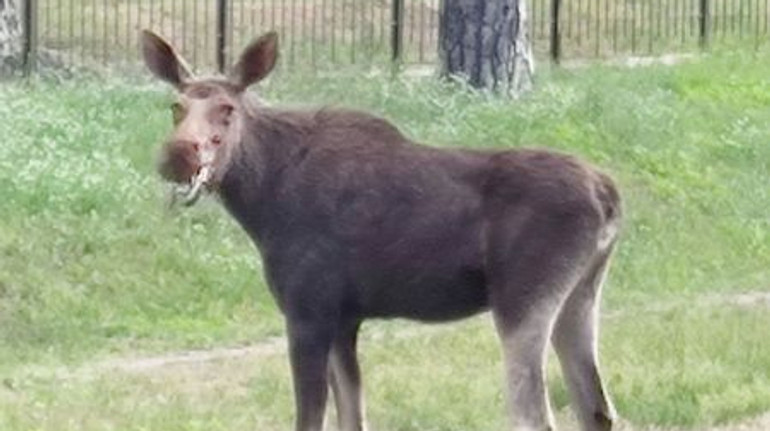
[703, 23]
[29, 42]
[221, 40]
[396, 30]
[555, 34]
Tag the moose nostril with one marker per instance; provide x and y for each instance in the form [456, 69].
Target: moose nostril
[216, 140]
[196, 146]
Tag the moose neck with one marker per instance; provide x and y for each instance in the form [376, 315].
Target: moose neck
[271, 140]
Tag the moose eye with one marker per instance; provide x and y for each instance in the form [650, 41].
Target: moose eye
[177, 111]
[225, 111]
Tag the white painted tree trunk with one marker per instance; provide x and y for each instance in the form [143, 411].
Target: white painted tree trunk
[10, 36]
[487, 43]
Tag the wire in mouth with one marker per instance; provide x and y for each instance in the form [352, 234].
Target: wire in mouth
[189, 193]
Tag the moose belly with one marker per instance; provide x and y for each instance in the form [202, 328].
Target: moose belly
[427, 297]
[433, 277]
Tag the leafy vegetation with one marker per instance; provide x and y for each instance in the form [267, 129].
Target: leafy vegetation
[92, 264]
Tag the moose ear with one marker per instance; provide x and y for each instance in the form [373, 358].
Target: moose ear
[162, 60]
[256, 61]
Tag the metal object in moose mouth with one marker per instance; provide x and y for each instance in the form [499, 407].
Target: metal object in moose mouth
[188, 194]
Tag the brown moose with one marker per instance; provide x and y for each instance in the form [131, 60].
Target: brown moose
[355, 221]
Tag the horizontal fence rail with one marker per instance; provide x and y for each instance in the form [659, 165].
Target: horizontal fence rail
[316, 33]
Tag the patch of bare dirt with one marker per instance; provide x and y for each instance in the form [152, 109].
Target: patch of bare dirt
[743, 299]
[632, 61]
[271, 346]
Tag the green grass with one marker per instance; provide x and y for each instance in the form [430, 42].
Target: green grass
[89, 255]
[92, 265]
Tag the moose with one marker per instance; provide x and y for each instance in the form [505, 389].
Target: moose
[355, 221]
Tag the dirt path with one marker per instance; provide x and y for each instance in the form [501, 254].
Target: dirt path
[277, 345]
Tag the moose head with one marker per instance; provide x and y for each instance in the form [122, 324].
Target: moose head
[208, 113]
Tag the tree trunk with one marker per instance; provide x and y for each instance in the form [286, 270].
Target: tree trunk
[487, 43]
[10, 36]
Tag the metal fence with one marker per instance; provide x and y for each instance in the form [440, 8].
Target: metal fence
[606, 28]
[209, 32]
[317, 33]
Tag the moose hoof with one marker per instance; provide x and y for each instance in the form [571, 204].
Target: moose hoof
[603, 422]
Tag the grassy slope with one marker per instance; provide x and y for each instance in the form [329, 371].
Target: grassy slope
[92, 265]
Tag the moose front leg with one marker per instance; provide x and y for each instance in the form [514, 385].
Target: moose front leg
[345, 379]
[309, 345]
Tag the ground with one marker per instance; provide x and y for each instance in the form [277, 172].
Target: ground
[194, 373]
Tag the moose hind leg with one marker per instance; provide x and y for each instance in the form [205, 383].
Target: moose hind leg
[525, 307]
[534, 263]
[575, 341]
[345, 379]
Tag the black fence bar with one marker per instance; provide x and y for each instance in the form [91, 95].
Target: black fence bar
[397, 31]
[704, 23]
[555, 47]
[29, 28]
[221, 34]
